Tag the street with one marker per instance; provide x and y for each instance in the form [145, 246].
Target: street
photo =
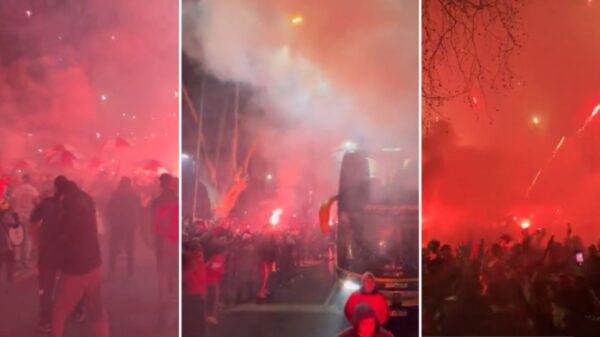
[310, 306]
[132, 305]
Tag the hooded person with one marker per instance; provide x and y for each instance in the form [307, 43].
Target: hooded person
[79, 262]
[365, 323]
[368, 294]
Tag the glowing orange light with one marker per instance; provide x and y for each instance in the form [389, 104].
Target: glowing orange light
[296, 20]
[535, 120]
[525, 224]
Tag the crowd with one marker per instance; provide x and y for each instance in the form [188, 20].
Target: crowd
[58, 234]
[229, 262]
[534, 285]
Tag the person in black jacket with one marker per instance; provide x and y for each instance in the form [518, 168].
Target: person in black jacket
[80, 261]
[45, 221]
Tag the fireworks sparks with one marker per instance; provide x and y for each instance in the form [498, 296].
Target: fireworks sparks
[558, 146]
[589, 119]
[535, 179]
[103, 98]
[28, 13]
[525, 224]
[535, 120]
[554, 153]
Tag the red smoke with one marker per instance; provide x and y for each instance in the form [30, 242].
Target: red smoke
[479, 164]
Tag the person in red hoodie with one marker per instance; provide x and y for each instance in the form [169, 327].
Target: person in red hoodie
[365, 324]
[368, 294]
[194, 292]
[215, 268]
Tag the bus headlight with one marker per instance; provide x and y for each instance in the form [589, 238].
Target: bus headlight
[350, 285]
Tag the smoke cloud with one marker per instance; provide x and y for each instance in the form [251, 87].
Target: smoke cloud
[84, 72]
[480, 162]
[323, 72]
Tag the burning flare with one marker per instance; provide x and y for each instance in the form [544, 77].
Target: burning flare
[275, 217]
[297, 20]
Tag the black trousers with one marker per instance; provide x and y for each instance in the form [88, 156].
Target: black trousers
[193, 322]
[7, 261]
[46, 282]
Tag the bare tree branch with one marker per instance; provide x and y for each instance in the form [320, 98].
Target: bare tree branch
[468, 46]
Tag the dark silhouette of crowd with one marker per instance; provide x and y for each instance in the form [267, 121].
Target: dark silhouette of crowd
[230, 262]
[534, 285]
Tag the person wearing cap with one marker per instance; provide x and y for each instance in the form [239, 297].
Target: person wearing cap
[365, 323]
[122, 214]
[368, 294]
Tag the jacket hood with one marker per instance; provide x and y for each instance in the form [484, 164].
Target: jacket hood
[366, 276]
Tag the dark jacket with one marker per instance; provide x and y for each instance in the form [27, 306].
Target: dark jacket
[47, 212]
[364, 311]
[80, 249]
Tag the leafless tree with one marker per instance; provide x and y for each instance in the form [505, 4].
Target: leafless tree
[233, 178]
[468, 46]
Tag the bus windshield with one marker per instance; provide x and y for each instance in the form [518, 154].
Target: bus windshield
[378, 218]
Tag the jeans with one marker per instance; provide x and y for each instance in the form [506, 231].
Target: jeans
[70, 290]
